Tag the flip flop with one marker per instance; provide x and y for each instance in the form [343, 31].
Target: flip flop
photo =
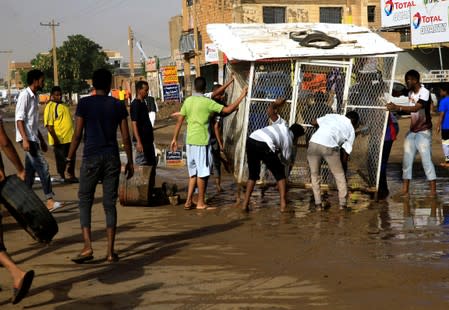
[206, 207]
[189, 207]
[57, 205]
[25, 284]
[82, 258]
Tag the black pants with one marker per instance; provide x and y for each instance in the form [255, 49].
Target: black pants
[61, 152]
[256, 152]
[383, 185]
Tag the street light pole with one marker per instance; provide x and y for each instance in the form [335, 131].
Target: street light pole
[52, 24]
[8, 74]
[131, 60]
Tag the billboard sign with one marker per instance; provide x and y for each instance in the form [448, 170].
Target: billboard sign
[396, 13]
[171, 92]
[151, 64]
[169, 75]
[429, 23]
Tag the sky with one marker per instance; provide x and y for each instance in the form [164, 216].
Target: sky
[103, 21]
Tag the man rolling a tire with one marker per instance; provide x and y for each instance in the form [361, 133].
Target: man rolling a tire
[21, 280]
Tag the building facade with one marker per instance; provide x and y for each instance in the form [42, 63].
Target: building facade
[198, 13]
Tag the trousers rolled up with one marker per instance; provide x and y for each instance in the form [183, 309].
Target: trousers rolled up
[35, 162]
[104, 167]
[420, 142]
[315, 154]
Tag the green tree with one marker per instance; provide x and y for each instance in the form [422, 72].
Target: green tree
[42, 62]
[78, 58]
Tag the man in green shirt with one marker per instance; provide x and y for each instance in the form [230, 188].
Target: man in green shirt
[197, 110]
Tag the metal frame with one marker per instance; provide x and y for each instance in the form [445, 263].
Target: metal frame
[245, 120]
[350, 67]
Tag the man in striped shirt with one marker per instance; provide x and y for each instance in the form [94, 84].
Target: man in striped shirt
[273, 145]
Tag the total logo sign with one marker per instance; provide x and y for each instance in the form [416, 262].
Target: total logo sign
[391, 6]
[396, 12]
[429, 23]
[419, 19]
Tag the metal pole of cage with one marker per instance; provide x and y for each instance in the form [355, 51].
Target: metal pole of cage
[245, 122]
[347, 85]
[395, 57]
[295, 91]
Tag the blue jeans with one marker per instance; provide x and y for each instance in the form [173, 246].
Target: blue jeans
[35, 162]
[421, 142]
[105, 168]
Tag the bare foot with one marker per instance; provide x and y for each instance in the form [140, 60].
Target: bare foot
[241, 206]
[202, 207]
[18, 276]
[188, 206]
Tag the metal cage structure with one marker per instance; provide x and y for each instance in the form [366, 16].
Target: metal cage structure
[313, 88]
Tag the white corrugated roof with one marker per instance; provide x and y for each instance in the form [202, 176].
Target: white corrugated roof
[263, 41]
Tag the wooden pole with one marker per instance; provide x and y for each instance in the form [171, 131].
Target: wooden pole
[53, 25]
[195, 34]
[185, 29]
[131, 60]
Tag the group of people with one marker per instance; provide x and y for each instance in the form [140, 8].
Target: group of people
[273, 145]
[97, 119]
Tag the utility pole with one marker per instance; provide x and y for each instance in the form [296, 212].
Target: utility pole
[8, 74]
[185, 28]
[195, 35]
[52, 24]
[220, 53]
[131, 60]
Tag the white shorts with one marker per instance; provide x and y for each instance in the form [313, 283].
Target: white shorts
[199, 160]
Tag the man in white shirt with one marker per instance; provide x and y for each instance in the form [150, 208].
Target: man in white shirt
[273, 145]
[29, 136]
[419, 138]
[335, 133]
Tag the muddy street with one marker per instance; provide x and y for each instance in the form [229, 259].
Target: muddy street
[386, 255]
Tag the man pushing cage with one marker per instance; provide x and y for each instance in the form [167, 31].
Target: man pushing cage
[355, 75]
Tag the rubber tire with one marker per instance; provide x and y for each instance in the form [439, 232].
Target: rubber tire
[311, 40]
[28, 210]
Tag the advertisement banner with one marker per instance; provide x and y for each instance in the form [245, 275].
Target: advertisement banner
[169, 75]
[173, 158]
[211, 53]
[396, 13]
[429, 23]
[151, 65]
[171, 92]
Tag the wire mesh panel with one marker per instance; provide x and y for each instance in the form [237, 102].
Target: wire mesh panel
[320, 91]
[271, 80]
[313, 89]
[370, 85]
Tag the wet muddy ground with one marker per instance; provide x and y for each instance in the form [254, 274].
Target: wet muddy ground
[383, 255]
